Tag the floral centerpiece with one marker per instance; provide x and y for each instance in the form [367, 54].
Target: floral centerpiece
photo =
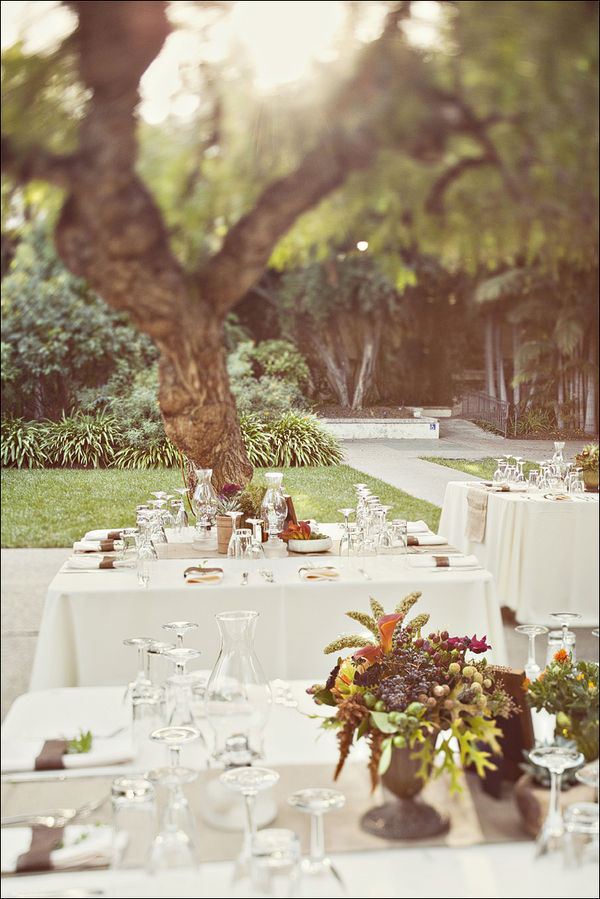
[569, 690]
[301, 531]
[402, 690]
[587, 459]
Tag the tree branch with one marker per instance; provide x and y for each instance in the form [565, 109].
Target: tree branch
[435, 200]
[38, 164]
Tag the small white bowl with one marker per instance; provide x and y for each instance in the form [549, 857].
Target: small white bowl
[310, 546]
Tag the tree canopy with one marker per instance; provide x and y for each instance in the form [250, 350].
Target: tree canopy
[478, 144]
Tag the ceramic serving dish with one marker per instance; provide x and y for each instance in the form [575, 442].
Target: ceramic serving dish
[310, 546]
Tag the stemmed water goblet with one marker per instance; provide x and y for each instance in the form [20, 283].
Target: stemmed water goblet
[180, 628]
[532, 669]
[557, 759]
[568, 637]
[321, 878]
[249, 781]
[180, 706]
[499, 475]
[559, 446]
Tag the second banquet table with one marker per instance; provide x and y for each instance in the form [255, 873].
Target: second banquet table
[88, 614]
[542, 552]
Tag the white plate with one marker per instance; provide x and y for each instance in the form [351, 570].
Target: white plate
[310, 546]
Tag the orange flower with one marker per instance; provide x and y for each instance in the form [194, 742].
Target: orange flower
[386, 626]
[525, 683]
[561, 655]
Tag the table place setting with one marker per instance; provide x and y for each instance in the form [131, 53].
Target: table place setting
[85, 751]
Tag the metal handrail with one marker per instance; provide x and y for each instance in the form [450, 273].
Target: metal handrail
[480, 406]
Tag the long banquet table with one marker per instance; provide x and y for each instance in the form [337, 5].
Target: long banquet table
[87, 615]
[486, 853]
[542, 552]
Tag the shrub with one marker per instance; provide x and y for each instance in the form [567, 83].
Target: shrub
[82, 440]
[300, 439]
[23, 443]
[535, 421]
[256, 435]
[158, 455]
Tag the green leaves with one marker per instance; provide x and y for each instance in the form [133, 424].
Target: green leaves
[81, 743]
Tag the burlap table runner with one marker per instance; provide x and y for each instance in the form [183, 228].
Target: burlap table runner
[185, 551]
[475, 817]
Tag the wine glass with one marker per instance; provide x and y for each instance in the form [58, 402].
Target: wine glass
[559, 446]
[532, 669]
[568, 637]
[181, 520]
[141, 678]
[180, 714]
[248, 781]
[499, 475]
[180, 628]
[256, 551]
[557, 759]
[173, 848]
[321, 875]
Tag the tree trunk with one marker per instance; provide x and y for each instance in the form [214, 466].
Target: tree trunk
[366, 372]
[591, 409]
[500, 363]
[516, 383]
[560, 396]
[490, 383]
[337, 368]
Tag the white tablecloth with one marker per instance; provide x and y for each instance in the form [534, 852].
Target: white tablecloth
[543, 553]
[481, 871]
[87, 615]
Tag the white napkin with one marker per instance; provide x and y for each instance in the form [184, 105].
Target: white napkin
[319, 574]
[83, 844]
[429, 540]
[20, 755]
[204, 577]
[103, 534]
[417, 527]
[93, 561]
[91, 546]
[456, 561]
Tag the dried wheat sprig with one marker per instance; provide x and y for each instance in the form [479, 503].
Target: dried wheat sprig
[366, 621]
[418, 622]
[376, 608]
[347, 642]
[408, 602]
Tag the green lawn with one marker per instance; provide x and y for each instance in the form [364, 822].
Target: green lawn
[481, 468]
[54, 507]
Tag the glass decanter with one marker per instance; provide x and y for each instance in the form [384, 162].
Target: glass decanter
[238, 696]
[204, 503]
[274, 508]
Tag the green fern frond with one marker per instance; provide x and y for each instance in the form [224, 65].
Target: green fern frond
[347, 643]
[366, 621]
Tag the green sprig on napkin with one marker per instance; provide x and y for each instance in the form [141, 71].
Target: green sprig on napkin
[82, 743]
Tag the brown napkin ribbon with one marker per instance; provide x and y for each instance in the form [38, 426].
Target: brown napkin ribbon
[412, 541]
[107, 562]
[51, 755]
[44, 840]
[114, 535]
[107, 546]
[442, 561]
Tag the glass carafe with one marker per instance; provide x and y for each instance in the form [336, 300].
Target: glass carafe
[238, 696]
[204, 503]
[274, 508]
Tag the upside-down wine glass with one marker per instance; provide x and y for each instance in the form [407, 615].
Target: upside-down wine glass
[180, 712]
[321, 878]
[532, 669]
[249, 781]
[141, 678]
[180, 628]
[557, 759]
[256, 550]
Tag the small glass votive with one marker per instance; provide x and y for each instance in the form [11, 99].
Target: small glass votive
[134, 822]
[580, 841]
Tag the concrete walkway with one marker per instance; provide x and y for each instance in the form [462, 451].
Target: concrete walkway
[26, 573]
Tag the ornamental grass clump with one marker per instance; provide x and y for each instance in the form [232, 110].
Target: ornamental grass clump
[401, 689]
[569, 690]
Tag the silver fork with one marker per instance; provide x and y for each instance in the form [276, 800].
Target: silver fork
[57, 817]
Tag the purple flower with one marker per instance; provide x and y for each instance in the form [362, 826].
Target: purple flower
[229, 490]
[471, 643]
